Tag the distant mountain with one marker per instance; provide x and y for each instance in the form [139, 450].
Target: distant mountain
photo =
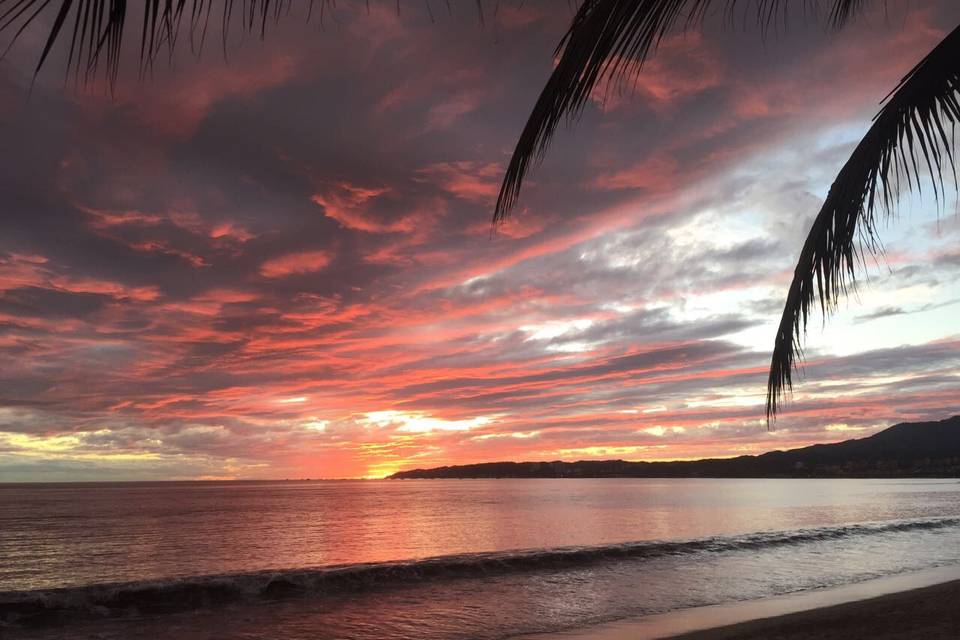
[924, 449]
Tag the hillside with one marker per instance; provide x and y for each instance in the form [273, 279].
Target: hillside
[924, 449]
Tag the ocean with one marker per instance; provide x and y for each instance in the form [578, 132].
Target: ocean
[441, 559]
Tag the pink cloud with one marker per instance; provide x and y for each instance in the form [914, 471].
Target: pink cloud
[656, 173]
[445, 114]
[187, 220]
[682, 66]
[295, 264]
[176, 106]
[347, 204]
[470, 181]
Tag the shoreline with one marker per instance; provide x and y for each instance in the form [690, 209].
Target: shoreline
[920, 604]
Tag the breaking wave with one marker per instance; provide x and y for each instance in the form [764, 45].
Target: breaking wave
[197, 592]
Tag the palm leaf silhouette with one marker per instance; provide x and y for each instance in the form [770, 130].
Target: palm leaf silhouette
[609, 40]
[98, 26]
[909, 133]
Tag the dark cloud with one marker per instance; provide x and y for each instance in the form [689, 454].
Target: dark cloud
[37, 301]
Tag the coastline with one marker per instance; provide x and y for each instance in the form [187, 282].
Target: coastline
[921, 604]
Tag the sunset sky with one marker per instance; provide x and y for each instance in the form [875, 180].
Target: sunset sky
[281, 265]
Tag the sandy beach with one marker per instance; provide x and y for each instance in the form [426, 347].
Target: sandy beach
[927, 613]
[917, 605]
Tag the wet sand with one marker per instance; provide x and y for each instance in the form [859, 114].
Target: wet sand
[924, 604]
[928, 613]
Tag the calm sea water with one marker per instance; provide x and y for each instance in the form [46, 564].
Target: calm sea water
[441, 559]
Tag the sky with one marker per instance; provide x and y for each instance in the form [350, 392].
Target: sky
[280, 265]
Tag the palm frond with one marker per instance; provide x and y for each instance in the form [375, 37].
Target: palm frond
[97, 27]
[608, 42]
[913, 131]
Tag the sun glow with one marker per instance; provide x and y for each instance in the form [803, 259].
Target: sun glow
[551, 330]
[420, 422]
[319, 426]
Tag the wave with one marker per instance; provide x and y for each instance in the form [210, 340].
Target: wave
[198, 592]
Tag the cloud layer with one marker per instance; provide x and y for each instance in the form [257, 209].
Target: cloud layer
[282, 266]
